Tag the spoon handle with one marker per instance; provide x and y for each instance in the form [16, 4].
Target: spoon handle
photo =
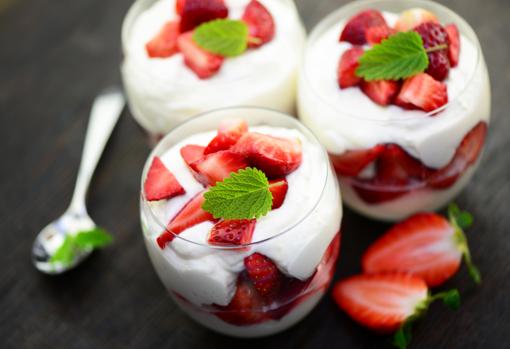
[105, 112]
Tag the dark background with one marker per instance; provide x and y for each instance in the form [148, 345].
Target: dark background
[55, 55]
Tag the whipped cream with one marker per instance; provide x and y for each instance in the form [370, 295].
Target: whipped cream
[206, 275]
[164, 92]
[346, 119]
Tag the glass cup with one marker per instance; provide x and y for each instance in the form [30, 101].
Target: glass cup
[164, 92]
[210, 283]
[444, 145]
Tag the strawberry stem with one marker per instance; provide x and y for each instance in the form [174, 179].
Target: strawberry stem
[436, 48]
[459, 220]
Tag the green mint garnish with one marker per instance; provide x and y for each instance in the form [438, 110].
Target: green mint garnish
[224, 37]
[243, 195]
[400, 56]
[74, 244]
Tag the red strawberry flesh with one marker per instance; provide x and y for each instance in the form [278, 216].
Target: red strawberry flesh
[424, 92]
[160, 182]
[453, 44]
[203, 63]
[263, 273]
[232, 232]
[346, 72]
[195, 12]
[382, 92]
[164, 44]
[229, 133]
[278, 188]
[433, 35]
[245, 308]
[375, 35]
[217, 166]
[355, 29]
[191, 214]
[260, 23]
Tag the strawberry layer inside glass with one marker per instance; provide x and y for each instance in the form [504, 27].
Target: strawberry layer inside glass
[386, 172]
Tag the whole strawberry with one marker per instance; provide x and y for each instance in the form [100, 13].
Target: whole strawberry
[435, 40]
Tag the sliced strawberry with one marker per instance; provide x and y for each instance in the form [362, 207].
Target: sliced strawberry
[381, 92]
[195, 12]
[260, 23]
[232, 232]
[164, 44]
[179, 6]
[412, 18]
[229, 133]
[203, 63]
[346, 72]
[192, 153]
[354, 30]
[217, 166]
[160, 182]
[381, 302]
[278, 188]
[453, 44]
[245, 308]
[375, 35]
[352, 162]
[466, 154]
[275, 156]
[424, 92]
[263, 273]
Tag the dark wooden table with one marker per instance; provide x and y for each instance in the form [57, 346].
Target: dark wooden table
[55, 55]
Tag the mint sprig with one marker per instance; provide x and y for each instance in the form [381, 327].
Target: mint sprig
[73, 245]
[225, 37]
[243, 195]
[400, 56]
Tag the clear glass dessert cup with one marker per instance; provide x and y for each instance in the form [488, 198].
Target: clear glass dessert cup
[197, 275]
[161, 98]
[450, 138]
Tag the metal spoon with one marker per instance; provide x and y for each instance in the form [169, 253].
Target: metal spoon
[105, 112]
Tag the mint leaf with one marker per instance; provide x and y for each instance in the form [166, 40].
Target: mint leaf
[65, 253]
[243, 195]
[225, 37]
[94, 238]
[400, 56]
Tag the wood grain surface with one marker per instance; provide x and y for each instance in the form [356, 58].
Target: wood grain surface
[55, 55]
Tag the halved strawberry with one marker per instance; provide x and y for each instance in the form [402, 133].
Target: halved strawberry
[263, 273]
[466, 154]
[217, 166]
[385, 302]
[425, 245]
[424, 92]
[275, 156]
[245, 308]
[375, 35]
[382, 92]
[278, 188]
[191, 214]
[192, 153]
[233, 232]
[179, 6]
[260, 23]
[160, 182]
[354, 30]
[352, 162]
[412, 18]
[202, 62]
[453, 44]
[195, 12]
[164, 44]
[346, 71]
[229, 133]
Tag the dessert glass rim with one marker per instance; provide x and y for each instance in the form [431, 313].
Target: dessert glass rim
[298, 125]
[134, 11]
[359, 5]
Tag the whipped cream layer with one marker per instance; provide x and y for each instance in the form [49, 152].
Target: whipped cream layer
[346, 119]
[164, 91]
[206, 275]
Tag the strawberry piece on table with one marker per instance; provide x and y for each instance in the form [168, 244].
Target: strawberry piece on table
[217, 166]
[260, 23]
[278, 188]
[245, 308]
[352, 162]
[232, 232]
[466, 154]
[433, 34]
[203, 63]
[453, 44]
[275, 156]
[412, 18]
[386, 303]
[192, 153]
[191, 214]
[195, 12]
[382, 92]
[424, 92]
[377, 34]
[164, 44]
[346, 72]
[160, 182]
[229, 133]
[263, 273]
[354, 30]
